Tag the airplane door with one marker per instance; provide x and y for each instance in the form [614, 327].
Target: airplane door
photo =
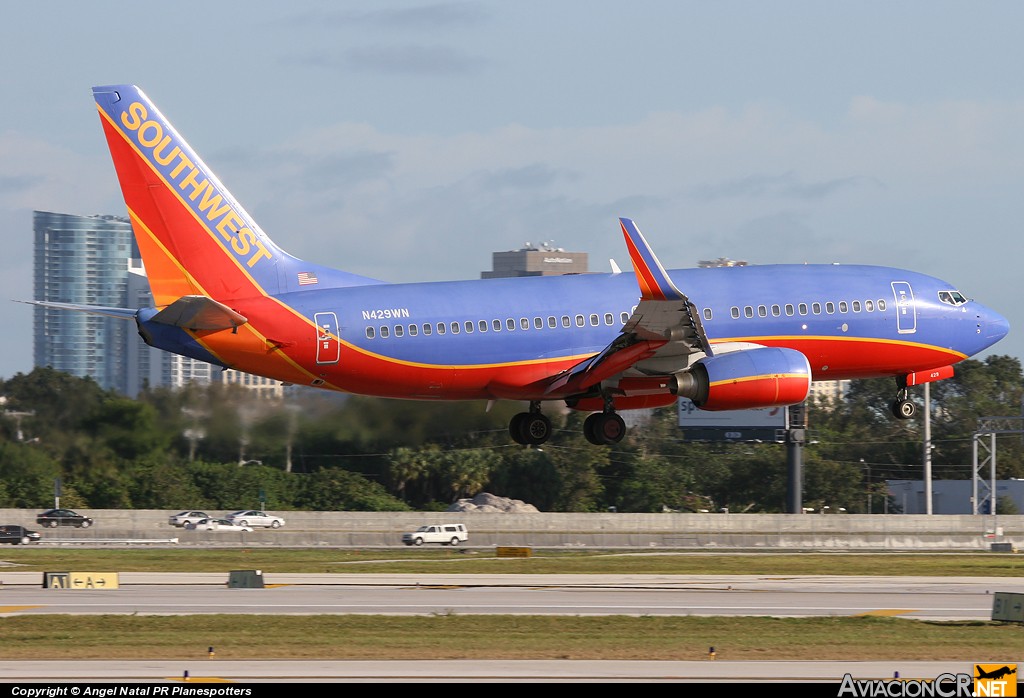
[328, 349]
[906, 309]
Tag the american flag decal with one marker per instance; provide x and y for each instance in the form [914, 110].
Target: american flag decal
[306, 278]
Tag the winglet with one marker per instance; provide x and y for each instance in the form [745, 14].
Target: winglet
[654, 281]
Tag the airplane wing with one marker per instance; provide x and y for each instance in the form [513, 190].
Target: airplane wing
[660, 337]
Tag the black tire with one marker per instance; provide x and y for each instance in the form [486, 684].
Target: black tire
[275, 524]
[85, 524]
[417, 541]
[903, 409]
[590, 430]
[515, 428]
[535, 428]
[453, 541]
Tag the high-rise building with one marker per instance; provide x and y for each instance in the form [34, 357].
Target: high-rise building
[81, 259]
[94, 260]
[533, 260]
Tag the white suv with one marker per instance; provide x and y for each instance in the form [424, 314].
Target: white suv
[251, 517]
[445, 534]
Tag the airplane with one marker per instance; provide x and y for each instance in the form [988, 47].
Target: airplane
[738, 338]
[996, 673]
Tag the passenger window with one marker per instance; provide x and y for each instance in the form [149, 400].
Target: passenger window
[524, 323]
[399, 331]
[624, 318]
[413, 330]
[776, 311]
[816, 308]
[565, 321]
[881, 305]
[735, 312]
[440, 328]
[579, 321]
[455, 328]
[552, 322]
[427, 329]
[594, 320]
[843, 308]
[789, 309]
[856, 306]
[538, 324]
[803, 308]
[748, 311]
[869, 307]
[762, 311]
[482, 324]
[510, 324]
[707, 313]
[609, 319]
[469, 326]
[496, 324]
[370, 333]
[830, 307]
[384, 332]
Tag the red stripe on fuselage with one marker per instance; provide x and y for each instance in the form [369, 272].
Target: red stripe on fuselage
[835, 358]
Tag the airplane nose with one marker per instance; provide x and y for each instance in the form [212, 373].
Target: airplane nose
[992, 326]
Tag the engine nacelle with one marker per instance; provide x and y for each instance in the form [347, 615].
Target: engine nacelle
[748, 379]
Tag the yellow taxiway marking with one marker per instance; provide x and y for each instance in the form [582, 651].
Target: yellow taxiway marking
[199, 679]
[15, 609]
[887, 612]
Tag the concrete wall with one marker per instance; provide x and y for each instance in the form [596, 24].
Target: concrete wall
[692, 531]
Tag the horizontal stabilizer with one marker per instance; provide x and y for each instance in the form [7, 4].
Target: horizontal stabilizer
[199, 313]
[122, 313]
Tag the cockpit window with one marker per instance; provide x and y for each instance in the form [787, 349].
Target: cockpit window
[952, 297]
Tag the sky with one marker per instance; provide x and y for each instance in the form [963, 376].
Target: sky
[408, 141]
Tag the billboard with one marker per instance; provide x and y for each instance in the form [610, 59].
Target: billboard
[766, 424]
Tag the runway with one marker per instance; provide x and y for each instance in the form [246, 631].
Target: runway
[923, 598]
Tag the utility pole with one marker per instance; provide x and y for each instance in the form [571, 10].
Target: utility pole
[796, 435]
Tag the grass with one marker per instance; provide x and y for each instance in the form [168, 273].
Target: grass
[485, 561]
[451, 636]
[502, 637]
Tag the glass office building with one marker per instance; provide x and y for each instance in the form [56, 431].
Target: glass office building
[82, 259]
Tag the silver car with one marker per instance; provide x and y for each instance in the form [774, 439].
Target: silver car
[186, 517]
[218, 525]
[253, 517]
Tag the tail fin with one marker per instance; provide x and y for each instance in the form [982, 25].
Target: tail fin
[195, 238]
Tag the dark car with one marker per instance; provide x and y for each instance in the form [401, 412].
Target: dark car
[53, 518]
[18, 535]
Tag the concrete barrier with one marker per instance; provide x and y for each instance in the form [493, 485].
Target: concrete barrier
[874, 532]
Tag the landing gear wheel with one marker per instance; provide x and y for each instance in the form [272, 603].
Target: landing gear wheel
[903, 409]
[515, 428]
[530, 428]
[604, 428]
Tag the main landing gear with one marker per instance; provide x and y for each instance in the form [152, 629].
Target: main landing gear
[604, 428]
[533, 428]
[530, 428]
